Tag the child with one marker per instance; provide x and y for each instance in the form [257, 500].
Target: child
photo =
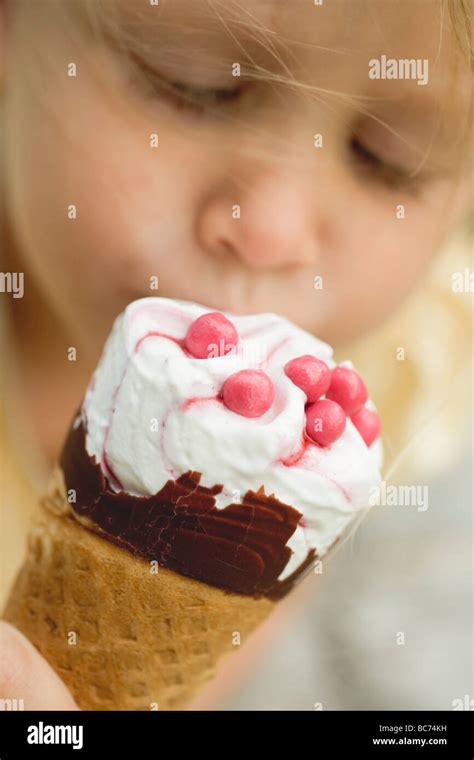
[304, 158]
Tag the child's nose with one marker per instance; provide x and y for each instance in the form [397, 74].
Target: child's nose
[266, 223]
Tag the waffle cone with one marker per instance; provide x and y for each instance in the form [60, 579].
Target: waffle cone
[121, 636]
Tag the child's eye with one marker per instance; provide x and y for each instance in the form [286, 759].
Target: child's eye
[203, 97]
[395, 177]
[184, 95]
[364, 153]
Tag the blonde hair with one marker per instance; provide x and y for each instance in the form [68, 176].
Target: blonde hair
[460, 13]
[417, 364]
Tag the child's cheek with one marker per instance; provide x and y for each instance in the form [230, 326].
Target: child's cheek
[93, 205]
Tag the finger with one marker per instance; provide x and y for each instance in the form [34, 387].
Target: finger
[25, 675]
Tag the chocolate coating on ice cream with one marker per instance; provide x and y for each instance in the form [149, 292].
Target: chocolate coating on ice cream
[240, 547]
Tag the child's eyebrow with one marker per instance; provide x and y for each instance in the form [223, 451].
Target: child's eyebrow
[142, 15]
[199, 30]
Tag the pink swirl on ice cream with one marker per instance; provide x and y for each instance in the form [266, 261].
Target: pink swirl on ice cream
[153, 412]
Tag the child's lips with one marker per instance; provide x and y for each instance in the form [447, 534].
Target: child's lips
[232, 307]
[232, 297]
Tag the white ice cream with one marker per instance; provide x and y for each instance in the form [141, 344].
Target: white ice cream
[151, 415]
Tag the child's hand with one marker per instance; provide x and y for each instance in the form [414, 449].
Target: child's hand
[25, 675]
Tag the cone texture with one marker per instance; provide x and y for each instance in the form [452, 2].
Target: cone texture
[121, 636]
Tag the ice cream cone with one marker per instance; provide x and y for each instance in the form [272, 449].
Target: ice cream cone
[121, 635]
[189, 497]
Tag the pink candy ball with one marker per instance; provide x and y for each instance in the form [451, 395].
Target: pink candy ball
[310, 374]
[347, 389]
[325, 421]
[211, 335]
[367, 423]
[249, 392]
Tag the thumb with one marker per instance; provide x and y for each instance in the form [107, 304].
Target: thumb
[25, 675]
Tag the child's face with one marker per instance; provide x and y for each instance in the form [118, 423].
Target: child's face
[305, 212]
